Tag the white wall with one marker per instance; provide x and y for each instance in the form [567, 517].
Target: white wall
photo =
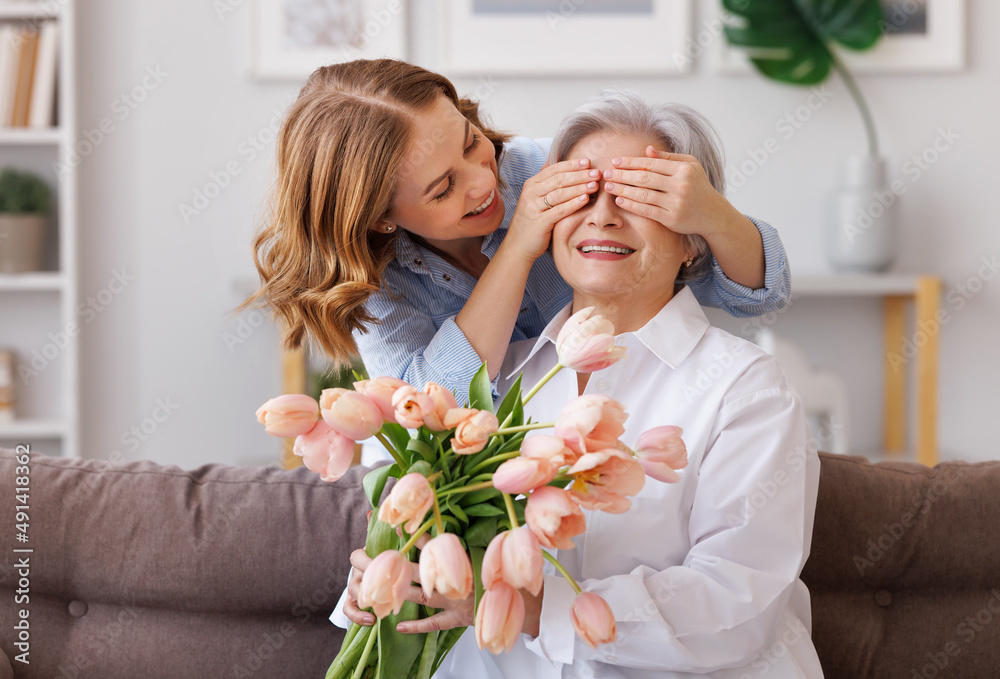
[159, 350]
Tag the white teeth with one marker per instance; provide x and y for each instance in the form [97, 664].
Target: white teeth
[489, 201]
[606, 248]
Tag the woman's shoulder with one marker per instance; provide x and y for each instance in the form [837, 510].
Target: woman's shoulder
[748, 366]
[524, 157]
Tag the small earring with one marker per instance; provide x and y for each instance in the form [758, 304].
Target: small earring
[690, 260]
[389, 228]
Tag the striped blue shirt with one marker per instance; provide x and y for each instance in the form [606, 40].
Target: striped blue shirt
[416, 338]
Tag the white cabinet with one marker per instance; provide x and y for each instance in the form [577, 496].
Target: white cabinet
[39, 316]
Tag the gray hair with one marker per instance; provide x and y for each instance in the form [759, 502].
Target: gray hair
[679, 128]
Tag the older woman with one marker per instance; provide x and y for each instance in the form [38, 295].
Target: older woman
[702, 575]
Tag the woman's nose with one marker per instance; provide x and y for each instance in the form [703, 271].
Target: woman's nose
[604, 211]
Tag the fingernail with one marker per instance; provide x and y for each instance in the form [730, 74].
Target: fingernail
[592, 185]
[595, 173]
[608, 174]
[583, 198]
[619, 200]
[402, 628]
[369, 619]
[584, 162]
[609, 187]
[616, 161]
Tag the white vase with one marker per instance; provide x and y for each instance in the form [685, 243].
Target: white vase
[22, 237]
[861, 231]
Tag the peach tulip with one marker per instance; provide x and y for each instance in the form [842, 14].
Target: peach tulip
[473, 429]
[593, 620]
[549, 448]
[380, 391]
[604, 479]
[443, 401]
[408, 502]
[411, 405]
[515, 557]
[445, 567]
[325, 451]
[385, 583]
[289, 415]
[352, 414]
[661, 451]
[591, 422]
[499, 618]
[523, 474]
[586, 342]
[553, 517]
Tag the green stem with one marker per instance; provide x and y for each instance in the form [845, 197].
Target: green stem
[437, 516]
[413, 538]
[855, 91]
[466, 489]
[562, 569]
[541, 383]
[490, 460]
[392, 451]
[363, 662]
[511, 514]
[524, 427]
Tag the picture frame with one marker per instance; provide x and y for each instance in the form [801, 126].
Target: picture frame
[292, 38]
[565, 37]
[919, 36]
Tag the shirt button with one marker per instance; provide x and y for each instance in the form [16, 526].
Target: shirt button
[446, 277]
[418, 262]
[602, 384]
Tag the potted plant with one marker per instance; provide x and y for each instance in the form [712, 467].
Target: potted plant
[792, 41]
[24, 208]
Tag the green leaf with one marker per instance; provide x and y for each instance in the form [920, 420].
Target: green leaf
[481, 532]
[458, 512]
[484, 509]
[397, 651]
[512, 399]
[422, 467]
[478, 496]
[789, 40]
[422, 449]
[397, 434]
[476, 555]
[381, 536]
[481, 391]
[428, 655]
[375, 480]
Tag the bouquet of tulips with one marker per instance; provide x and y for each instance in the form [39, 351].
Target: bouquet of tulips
[489, 498]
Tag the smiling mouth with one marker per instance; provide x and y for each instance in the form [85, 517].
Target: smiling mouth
[606, 248]
[486, 204]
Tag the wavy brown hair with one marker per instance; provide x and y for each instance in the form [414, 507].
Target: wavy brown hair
[339, 152]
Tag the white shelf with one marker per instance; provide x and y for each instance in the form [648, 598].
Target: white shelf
[876, 285]
[28, 9]
[32, 429]
[31, 136]
[40, 281]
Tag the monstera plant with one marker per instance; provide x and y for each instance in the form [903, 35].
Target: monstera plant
[791, 40]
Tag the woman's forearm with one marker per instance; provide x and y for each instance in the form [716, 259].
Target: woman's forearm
[739, 250]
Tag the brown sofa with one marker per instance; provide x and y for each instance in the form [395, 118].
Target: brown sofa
[140, 570]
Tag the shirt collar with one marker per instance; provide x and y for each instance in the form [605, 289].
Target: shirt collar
[671, 335]
[415, 257]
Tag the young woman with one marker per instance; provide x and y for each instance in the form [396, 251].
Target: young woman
[404, 229]
[702, 575]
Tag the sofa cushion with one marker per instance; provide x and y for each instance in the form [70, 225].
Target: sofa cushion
[904, 571]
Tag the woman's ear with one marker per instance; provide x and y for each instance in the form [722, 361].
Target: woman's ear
[384, 226]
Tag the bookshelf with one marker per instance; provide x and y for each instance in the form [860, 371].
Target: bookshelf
[39, 308]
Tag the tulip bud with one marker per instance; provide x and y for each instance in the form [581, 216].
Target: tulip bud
[514, 557]
[409, 501]
[380, 391]
[604, 479]
[473, 429]
[593, 619]
[443, 401]
[661, 451]
[445, 567]
[553, 517]
[499, 618]
[385, 583]
[549, 448]
[352, 414]
[522, 475]
[289, 415]
[586, 342]
[325, 451]
[591, 422]
[410, 406]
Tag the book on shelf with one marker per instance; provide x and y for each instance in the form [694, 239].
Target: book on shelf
[28, 64]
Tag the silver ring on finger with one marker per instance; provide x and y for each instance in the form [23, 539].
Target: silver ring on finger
[545, 199]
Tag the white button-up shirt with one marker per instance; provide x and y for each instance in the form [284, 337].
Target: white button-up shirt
[702, 575]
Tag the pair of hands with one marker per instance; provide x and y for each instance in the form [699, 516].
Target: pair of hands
[670, 188]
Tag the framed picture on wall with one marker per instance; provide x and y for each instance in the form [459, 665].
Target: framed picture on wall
[919, 36]
[565, 37]
[291, 38]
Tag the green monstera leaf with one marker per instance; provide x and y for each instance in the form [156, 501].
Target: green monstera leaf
[788, 40]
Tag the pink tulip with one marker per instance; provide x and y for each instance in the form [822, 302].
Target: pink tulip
[522, 475]
[499, 618]
[553, 517]
[409, 501]
[380, 391]
[552, 449]
[591, 422]
[385, 583]
[443, 401]
[352, 414]
[514, 557]
[445, 567]
[661, 451]
[410, 406]
[289, 415]
[325, 451]
[593, 620]
[586, 342]
[473, 429]
[602, 480]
